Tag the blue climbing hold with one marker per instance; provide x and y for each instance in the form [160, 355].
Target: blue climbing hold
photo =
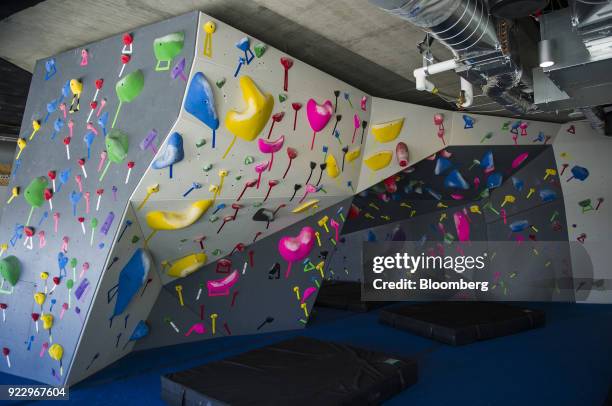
[140, 331]
[518, 184]
[456, 181]
[487, 163]
[548, 195]
[442, 165]
[200, 101]
[494, 180]
[172, 152]
[131, 278]
[519, 226]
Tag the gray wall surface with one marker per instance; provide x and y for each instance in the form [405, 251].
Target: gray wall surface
[155, 108]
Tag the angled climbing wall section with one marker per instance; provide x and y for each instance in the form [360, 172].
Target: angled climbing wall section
[85, 143]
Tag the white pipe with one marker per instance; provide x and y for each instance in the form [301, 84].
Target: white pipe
[468, 92]
[421, 74]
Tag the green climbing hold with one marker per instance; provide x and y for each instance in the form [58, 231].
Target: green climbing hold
[212, 219]
[282, 97]
[10, 269]
[201, 143]
[238, 177]
[220, 83]
[166, 48]
[216, 252]
[116, 145]
[260, 49]
[135, 239]
[35, 192]
[257, 204]
[69, 283]
[248, 160]
[130, 86]
[207, 167]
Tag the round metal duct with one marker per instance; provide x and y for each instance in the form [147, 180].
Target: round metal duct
[515, 8]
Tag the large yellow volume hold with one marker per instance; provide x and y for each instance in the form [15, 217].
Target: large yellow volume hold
[332, 166]
[187, 265]
[379, 160]
[174, 220]
[386, 132]
[247, 124]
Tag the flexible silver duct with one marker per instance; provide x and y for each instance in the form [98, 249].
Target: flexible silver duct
[464, 26]
[467, 29]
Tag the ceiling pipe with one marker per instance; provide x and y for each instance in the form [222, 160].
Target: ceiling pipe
[471, 33]
[421, 74]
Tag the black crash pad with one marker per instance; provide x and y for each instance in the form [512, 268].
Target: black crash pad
[344, 295]
[459, 323]
[299, 371]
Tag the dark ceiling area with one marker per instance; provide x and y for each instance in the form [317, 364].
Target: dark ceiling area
[14, 81]
[10, 7]
[14, 87]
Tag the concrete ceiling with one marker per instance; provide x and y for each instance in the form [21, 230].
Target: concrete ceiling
[349, 39]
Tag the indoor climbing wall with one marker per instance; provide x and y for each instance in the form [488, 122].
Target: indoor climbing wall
[263, 154]
[511, 199]
[81, 153]
[583, 162]
[269, 144]
[250, 291]
[185, 182]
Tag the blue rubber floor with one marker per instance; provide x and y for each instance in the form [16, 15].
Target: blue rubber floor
[567, 362]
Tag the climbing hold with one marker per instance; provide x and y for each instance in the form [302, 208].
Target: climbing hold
[455, 180]
[294, 249]
[332, 166]
[379, 160]
[10, 269]
[200, 102]
[442, 165]
[34, 194]
[248, 123]
[260, 49]
[221, 287]
[172, 152]
[386, 132]
[131, 278]
[354, 154]
[401, 153]
[171, 220]
[305, 206]
[128, 89]
[494, 180]
[187, 265]
[318, 116]
[270, 147]
[166, 48]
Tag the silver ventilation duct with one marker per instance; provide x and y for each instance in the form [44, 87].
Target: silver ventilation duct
[481, 45]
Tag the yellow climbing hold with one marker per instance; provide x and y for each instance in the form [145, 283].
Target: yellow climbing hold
[172, 220]
[187, 265]
[47, 319]
[56, 352]
[305, 206]
[352, 155]
[40, 298]
[379, 160]
[386, 132]
[248, 123]
[332, 166]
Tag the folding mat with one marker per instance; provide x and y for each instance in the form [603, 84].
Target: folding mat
[344, 296]
[299, 371]
[459, 323]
